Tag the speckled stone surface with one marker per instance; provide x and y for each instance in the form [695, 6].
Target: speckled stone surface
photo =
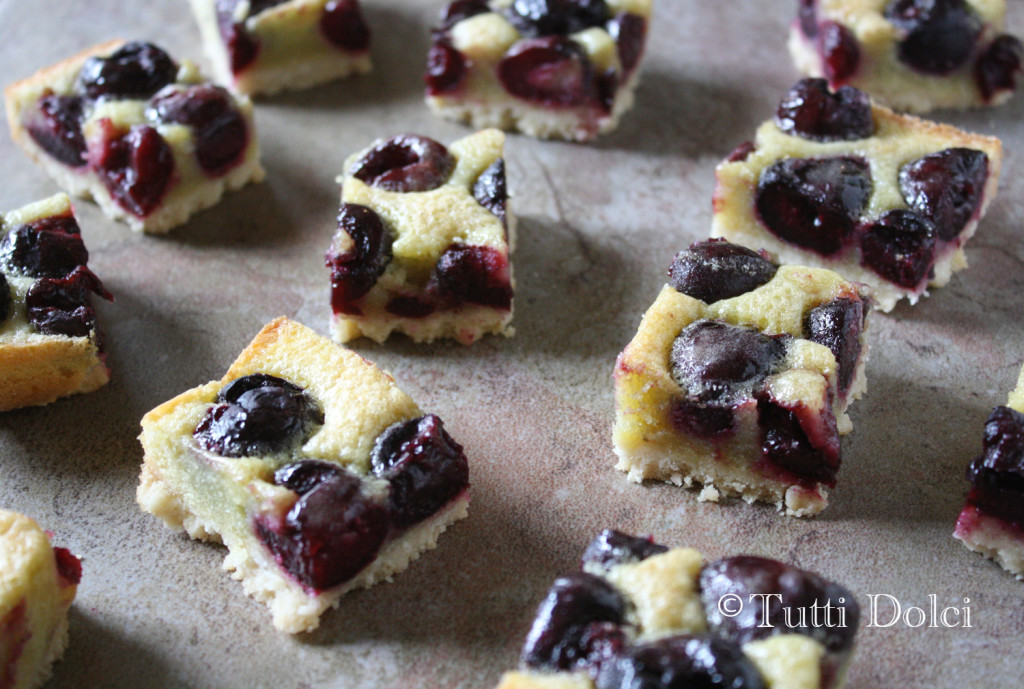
[599, 225]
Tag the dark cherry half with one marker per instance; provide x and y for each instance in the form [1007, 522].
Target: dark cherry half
[405, 164]
[799, 441]
[837, 325]
[814, 203]
[5, 298]
[577, 625]
[999, 66]
[55, 124]
[135, 70]
[356, 268]
[258, 414]
[552, 71]
[629, 31]
[716, 269]
[331, 532]
[69, 567]
[946, 187]
[997, 474]
[61, 306]
[782, 586]
[940, 35]
[811, 111]
[48, 247]
[242, 48]
[424, 465]
[472, 274]
[900, 246]
[343, 25]
[136, 167]
[545, 17]
[840, 52]
[681, 662]
[611, 548]
[491, 191]
[446, 68]
[717, 365]
[221, 134]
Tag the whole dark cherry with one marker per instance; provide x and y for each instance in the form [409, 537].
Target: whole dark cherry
[946, 187]
[717, 365]
[686, 661]
[900, 246]
[491, 191]
[220, 132]
[405, 164]
[255, 415]
[358, 256]
[48, 247]
[446, 68]
[628, 31]
[802, 443]
[55, 124]
[424, 465]
[840, 52]
[811, 111]
[997, 474]
[838, 325]
[135, 166]
[473, 274]
[939, 34]
[544, 17]
[778, 586]
[343, 25]
[135, 70]
[999, 66]
[61, 306]
[716, 269]
[814, 203]
[5, 298]
[552, 70]
[579, 610]
[612, 548]
[331, 532]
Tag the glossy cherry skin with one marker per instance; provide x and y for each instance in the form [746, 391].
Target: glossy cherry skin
[55, 124]
[48, 247]
[629, 31]
[446, 69]
[552, 71]
[577, 606]
[220, 132]
[405, 164]
[330, 533]
[840, 52]
[810, 454]
[135, 70]
[136, 167]
[424, 465]
[809, 110]
[997, 474]
[685, 661]
[838, 325]
[491, 191]
[61, 306]
[544, 17]
[358, 256]
[999, 66]
[258, 414]
[343, 24]
[788, 587]
[815, 203]
[946, 187]
[716, 269]
[473, 275]
[939, 35]
[612, 548]
[900, 246]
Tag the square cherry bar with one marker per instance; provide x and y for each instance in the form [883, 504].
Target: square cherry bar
[739, 378]
[310, 465]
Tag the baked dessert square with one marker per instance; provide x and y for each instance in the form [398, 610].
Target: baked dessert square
[992, 520]
[912, 55]
[423, 241]
[640, 614]
[739, 378]
[37, 586]
[265, 46]
[146, 137]
[50, 344]
[310, 465]
[835, 181]
[561, 69]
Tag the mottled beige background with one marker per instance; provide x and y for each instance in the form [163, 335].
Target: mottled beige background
[599, 225]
